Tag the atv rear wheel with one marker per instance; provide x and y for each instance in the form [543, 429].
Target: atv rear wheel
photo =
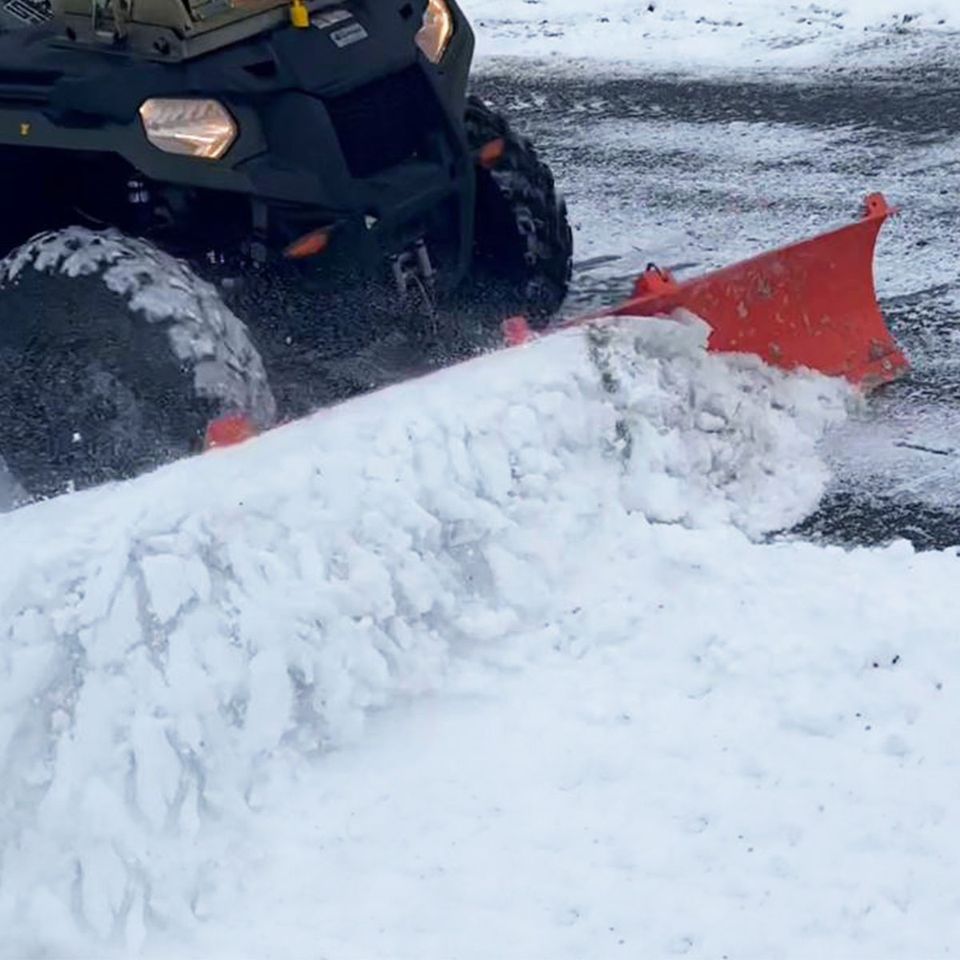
[522, 234]
[114, 358]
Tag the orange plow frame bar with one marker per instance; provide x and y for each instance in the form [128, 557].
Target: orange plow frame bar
[808, 305]
[811, 304]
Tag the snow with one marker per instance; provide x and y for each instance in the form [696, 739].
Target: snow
[685, 35]
[674, 764]
[497, 662]
[505, 661]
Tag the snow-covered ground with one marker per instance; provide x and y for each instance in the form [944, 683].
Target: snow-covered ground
[687, 35]
[508, 661]
[714, 750]
[604, 713]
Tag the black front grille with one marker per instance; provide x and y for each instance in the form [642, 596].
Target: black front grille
[385, 122]
[27, 86]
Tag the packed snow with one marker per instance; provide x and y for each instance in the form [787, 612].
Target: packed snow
[511, 660]
[596, 695]
[714, 34]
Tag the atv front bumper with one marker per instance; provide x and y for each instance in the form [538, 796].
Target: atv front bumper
[366, 140]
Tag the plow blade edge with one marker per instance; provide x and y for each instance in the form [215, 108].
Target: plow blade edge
[812, 304]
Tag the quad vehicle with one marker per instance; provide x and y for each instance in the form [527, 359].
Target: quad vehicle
[216, 213]
[207, 200]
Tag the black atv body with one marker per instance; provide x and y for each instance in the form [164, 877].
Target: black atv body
[366, 139]
[162, 292]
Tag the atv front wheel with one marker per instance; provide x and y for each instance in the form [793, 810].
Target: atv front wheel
[522, 234]
[114, 358]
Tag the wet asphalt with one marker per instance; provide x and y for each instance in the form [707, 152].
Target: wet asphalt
[701, 173]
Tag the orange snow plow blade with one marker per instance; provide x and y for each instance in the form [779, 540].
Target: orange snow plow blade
[811, 304]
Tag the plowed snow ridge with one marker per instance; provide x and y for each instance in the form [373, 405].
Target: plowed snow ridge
[166, 643]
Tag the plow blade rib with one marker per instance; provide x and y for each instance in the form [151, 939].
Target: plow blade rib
[811, 304]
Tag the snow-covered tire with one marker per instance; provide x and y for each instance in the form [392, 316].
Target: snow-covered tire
[114, 357]
[522, 233]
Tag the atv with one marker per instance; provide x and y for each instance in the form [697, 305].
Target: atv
[213, 207]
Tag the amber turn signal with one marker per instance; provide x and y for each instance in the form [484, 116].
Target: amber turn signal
[490, 154]
[309, 245]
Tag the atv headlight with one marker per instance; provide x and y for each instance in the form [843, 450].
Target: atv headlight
[193, 128]
[433, 37]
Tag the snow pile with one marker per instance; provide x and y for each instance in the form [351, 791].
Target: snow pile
[173, 647]
[710, 748]
[681, 34]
